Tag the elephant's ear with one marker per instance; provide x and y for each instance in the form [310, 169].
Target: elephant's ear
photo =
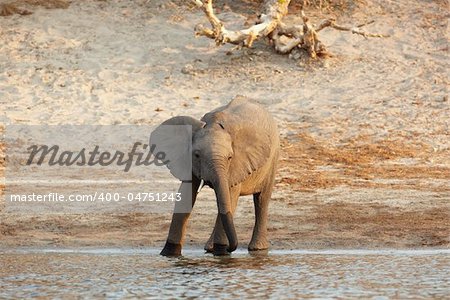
[171, 144]
[251, 151]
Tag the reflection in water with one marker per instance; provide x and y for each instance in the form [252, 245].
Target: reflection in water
[118, 274]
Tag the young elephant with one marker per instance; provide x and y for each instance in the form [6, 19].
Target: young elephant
[234, 151]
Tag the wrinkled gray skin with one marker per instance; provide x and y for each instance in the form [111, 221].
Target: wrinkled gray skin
[235, 151]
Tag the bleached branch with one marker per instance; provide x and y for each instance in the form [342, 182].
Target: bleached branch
[283, 37]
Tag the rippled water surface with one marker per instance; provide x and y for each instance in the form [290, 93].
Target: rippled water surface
[119, 273]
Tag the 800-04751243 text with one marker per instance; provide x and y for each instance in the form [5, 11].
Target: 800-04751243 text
[98, 196]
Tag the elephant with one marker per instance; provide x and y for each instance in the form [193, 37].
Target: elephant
[235, 150]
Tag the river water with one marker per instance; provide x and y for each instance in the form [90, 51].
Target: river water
[138, 273]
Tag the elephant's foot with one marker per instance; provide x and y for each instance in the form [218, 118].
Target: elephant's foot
[258, 245]
[220, 250]
[209, 246]
[171, 249]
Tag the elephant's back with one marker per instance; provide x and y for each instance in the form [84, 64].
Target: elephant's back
[243, 112]
[253, 115]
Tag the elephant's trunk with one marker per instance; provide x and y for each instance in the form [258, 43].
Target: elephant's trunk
[222, 190]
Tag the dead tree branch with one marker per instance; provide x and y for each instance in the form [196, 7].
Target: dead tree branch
[284, 38]
[355, 30]
[275, 10]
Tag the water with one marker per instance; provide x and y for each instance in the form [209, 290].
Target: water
[130, 273]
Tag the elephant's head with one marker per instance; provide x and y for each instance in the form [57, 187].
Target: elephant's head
[223, 155]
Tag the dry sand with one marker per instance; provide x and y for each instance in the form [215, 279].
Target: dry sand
[365, 134]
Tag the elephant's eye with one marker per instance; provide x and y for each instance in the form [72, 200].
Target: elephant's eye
[197, 154]
[229, 157]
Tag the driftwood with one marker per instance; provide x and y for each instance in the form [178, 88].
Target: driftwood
[284, 38]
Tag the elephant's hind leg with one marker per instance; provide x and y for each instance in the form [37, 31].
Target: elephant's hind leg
[261, 202]
[259, 237]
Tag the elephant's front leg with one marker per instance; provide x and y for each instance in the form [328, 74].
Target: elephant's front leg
[218, 235]
[177, 230]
